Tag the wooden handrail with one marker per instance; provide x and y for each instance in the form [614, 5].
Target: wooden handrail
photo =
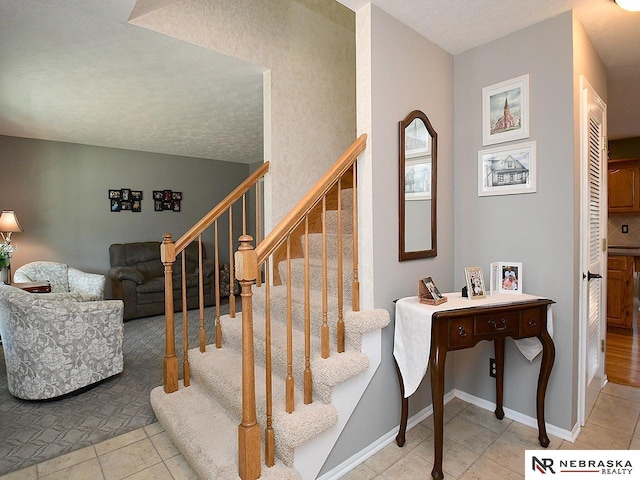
[206, 221]
[322, 186]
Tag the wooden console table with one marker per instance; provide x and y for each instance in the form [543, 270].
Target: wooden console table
[462, 324]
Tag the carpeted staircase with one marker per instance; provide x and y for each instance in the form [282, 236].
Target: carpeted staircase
[203, 418]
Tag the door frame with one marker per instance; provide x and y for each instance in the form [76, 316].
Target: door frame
[585, 91]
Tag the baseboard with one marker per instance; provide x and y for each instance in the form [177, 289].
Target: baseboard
[352, 462]
[569, 435]
[340, 470]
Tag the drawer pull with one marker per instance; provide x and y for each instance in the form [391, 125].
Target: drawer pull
[496, 327]
[532, 322]
[461, 331]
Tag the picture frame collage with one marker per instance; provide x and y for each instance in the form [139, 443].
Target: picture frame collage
[126, 199]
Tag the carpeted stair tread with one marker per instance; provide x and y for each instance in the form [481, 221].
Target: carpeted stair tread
[315, 247]
[315, 275]
[327, 373]
[201, 430]
[219, 372]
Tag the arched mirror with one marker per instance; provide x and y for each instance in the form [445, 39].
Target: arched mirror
[418, 181]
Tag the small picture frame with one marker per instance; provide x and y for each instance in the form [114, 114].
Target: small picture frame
[475, 283]
[428, 292]
[505, 111]
[506, 277]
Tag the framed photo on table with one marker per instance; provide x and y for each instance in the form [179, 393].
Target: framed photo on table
[506, 277]
[475, 283]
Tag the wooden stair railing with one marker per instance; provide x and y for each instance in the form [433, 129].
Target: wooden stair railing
[169, 252]
[285, 237]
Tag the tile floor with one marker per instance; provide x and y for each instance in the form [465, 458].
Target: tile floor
[477, 447]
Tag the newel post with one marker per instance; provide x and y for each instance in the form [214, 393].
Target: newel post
[249, 430]
[168, 257]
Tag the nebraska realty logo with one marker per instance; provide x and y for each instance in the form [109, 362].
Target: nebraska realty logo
[581, 464]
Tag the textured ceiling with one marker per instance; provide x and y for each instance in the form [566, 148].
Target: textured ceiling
[76, 71]
[458, 25]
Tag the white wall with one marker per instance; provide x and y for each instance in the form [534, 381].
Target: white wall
[399, 71]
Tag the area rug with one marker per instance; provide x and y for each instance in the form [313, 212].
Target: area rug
[34, 431]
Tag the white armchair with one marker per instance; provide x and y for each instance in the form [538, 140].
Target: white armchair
[53, 347]
[63, 280]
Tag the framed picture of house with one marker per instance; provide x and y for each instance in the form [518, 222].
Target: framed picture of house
[417, 178]
[505, 111]
[507, 170]
[475, 283]
[506, 277]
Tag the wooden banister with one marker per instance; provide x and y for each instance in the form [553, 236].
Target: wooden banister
[206, 221]
[322, 186]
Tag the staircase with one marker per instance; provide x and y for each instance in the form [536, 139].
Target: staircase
[302, 400]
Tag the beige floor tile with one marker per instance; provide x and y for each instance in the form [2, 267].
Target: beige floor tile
[416, 436]
[64, 461]
[486, 418]
[506, 453]
[622, 391]
[154, 429]
[129, 460]
[485, 469]
[29, 473]
[528, 436]
[361, 472]
[164, 445]
[180, 469]
[615, 413]
[157, 472]
[410, 466]
[89, 469]
[386, 457]
[451, 410]
[597, 437]
[456, 459]
[635, 444]
[120, 441]
[471, 435]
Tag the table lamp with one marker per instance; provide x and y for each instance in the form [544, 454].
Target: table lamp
[8, 224]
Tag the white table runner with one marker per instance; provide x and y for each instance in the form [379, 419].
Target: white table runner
[412, 337]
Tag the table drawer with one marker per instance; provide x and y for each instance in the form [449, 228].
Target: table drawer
[530, 323]
[460, 333]
[495, 323]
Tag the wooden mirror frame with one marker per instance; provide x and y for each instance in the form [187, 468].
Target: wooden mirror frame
[433, 251]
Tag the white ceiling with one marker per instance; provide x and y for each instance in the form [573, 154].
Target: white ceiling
[458, 25]
[76, 71]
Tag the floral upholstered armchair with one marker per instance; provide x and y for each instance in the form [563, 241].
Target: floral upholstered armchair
[53, 347]
[65, 281]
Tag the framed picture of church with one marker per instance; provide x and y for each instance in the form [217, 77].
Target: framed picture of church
[505, 111]
[507, 169]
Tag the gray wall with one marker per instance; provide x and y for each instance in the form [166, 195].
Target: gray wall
[59, 192]
[541, 230]
[407, 72]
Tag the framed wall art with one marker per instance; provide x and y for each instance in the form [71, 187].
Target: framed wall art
[507, 170]
[505, 111]
[506, 277]
[167, 200]
[475, 283]
[123, 199]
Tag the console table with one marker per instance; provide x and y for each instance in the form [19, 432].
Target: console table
[462, 323]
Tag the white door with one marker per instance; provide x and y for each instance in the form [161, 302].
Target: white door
[593, 248]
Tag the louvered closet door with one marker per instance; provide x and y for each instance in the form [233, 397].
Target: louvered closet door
[595, 308]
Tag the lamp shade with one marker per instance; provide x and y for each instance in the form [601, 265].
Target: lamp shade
[9, 222]
[629, 5]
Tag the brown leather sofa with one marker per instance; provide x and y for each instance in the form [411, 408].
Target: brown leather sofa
[137, 278]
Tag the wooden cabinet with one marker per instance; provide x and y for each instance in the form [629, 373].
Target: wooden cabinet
[620, 292]
[624, 186]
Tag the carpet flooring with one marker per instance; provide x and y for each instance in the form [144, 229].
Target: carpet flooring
[34, 431]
